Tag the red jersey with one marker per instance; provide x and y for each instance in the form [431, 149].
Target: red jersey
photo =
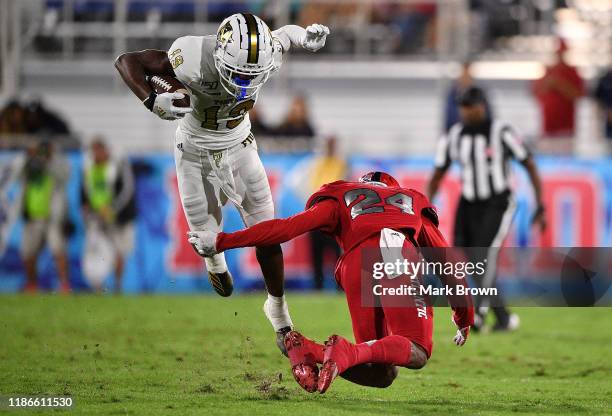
[558, 110]
[365, 209]
[353, 212]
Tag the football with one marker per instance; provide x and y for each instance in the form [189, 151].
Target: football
[167, 83]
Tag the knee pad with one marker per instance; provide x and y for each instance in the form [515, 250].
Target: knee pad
[195, 210]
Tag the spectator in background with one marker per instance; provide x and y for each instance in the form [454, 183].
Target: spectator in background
[108, 201]
[326, 168]
[31, 118]
[43, 179]
[557, 93]
[603, 96]
[40, 120]
[297, 120]
[13, 118]
[461, 84]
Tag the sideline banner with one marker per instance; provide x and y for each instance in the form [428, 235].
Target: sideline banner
[577, 194]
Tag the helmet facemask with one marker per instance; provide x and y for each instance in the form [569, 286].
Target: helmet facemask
[240, 82]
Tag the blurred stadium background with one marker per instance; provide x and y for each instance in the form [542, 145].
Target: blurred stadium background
[378, 90]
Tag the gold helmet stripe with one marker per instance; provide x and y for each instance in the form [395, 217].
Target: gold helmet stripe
[253, 38]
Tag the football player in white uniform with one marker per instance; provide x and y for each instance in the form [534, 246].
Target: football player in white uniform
[215, 152]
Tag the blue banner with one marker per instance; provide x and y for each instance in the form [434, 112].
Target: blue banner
[577, 193]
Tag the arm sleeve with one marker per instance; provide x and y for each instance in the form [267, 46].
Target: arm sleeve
[514, 143]
[289, 35]
[430, 236]
[321, 216]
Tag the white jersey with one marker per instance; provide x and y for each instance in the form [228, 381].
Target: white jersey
[219, 120]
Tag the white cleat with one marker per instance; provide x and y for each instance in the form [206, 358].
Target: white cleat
[514, 322]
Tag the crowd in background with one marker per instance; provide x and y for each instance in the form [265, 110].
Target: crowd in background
[107, 194]
[391, 27]
[31, 117]
[108, 209]
[557, 94]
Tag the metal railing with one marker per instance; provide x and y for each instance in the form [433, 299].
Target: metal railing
[36, 34]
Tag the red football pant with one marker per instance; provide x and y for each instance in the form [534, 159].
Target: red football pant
[370, 323]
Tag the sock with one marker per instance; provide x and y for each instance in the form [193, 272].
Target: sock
[216, 263]
[277, 312]
[393, 349]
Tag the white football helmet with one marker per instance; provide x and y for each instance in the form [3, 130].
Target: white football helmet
[244, 54]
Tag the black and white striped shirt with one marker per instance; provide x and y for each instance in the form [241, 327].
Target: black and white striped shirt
[484, 153]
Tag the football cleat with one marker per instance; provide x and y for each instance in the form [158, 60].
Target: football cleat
[280, 339]
[222, 283]
[337, 358]
[512, 325]
[281, 322]
[302, 353]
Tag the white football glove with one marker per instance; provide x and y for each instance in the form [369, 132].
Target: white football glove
[166, 110]
[462, 335]
[203, 242]
[315, 36]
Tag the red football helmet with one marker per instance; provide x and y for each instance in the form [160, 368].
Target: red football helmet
[379, 178]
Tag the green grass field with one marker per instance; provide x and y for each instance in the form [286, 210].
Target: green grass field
[208, 355]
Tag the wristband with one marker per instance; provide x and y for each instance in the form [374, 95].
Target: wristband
[150, 100]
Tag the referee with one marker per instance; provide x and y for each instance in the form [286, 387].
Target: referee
[483, 147]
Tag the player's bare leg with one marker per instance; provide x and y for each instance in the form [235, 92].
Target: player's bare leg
[342, 355]
[119, 263]
[61, 263]
[270, 260]
[371, 375]
[29, 264]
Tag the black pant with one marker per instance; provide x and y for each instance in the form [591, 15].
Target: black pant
[319, 244]
[483, 225]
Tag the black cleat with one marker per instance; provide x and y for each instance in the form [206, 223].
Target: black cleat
[222, 283]
[512, 325]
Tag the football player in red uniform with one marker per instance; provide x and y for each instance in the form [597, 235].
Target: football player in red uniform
[360, 215]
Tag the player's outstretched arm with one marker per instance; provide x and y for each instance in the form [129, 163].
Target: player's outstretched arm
[321, 216]
[312, 38]
[463, 310]
[134, 67]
